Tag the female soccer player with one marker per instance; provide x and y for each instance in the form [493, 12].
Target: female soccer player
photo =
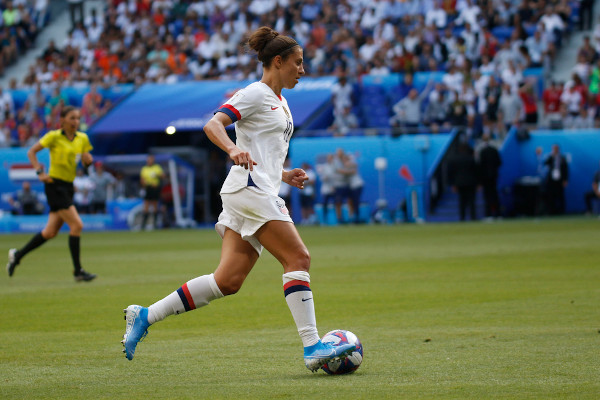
[253, 215]
[66, 146]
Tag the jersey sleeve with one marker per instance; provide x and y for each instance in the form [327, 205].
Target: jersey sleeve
[48, 139]
[242, 104]
[87, 146]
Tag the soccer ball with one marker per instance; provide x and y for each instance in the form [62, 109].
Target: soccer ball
[348, 364]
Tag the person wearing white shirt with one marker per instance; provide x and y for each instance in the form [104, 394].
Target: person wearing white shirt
[254, 216]
[436, 16]
[469, 14]
[553, 24]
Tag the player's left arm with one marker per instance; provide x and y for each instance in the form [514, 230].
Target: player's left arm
[295, 177]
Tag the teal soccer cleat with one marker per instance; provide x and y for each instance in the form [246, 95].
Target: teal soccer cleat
[136, 328]
[319, 354]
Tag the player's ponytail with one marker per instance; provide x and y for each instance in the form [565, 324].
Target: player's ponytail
[268, 43]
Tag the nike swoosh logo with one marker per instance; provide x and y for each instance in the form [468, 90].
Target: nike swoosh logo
[274, 108]
[310, 298]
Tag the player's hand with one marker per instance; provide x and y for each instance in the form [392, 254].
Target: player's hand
[242, 158]
[44, 177]
[87, 159]
[295, 177]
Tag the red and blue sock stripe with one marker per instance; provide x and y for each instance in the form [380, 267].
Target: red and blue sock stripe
[296, 286]
[186, 298]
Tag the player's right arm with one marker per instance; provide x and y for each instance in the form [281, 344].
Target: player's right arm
[39, 168]
[215, 130]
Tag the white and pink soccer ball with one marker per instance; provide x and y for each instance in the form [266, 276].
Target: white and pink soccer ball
[349, 364]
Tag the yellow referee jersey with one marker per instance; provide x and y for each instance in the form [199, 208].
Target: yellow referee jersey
[151, 174]
[65, 153]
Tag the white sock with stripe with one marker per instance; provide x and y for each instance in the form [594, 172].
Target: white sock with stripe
[296, 287]
[194, 294]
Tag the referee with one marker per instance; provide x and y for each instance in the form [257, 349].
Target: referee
[151, 176]
[67, 146]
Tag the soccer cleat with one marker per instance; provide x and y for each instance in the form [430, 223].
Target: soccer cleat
[12, 262]
[136, 328]
[83, 275]
[319, 354]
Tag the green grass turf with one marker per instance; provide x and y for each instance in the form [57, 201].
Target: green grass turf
[508, 310]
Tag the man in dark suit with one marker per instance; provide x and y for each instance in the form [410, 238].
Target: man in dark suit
[464, 180]
[489, 163]
[556, 181]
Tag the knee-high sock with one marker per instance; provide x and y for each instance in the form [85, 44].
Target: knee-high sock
[299, 298]
[35, 242]
[74, 249]
[194, 294]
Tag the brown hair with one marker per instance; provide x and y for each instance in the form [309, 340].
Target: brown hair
[268, 43]
[66, 110]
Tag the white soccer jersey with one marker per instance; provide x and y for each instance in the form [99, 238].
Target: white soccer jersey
[263, 126]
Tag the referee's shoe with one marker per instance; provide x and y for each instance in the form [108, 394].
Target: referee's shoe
[83, 276]
[12, 262]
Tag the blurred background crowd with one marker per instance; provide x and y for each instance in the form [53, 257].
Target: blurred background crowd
[479, 51]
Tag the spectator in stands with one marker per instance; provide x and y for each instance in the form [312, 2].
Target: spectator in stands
[83, 188]
[407, 112]
[40, 13]
[355, 186]
[76, 11]
[510, 107]
[594, 194]
[585, 119]
[537, 49]
[307, 196]
[103, 183]
[91, 105]
[529, 101]
[436, 111]
[325, 172]
[343, 94]
[10, 15]
[557, 179]
[36, 102]
[5, 135]
[436, 16]
[571, 104]
[458, 115]
[340, 183]
[582, 69]
[344, 122]
[553, 24]
[586, 14]
[26, 201]
[551, 99]
[7, 103]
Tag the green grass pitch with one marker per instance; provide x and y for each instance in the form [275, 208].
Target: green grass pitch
[509, 310]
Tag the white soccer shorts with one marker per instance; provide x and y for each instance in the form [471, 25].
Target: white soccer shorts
[246, 210]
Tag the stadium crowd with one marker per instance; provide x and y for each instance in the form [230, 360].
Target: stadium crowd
[481, 48]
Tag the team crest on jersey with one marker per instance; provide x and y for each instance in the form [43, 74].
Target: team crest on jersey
[282, 207]
[287, 114]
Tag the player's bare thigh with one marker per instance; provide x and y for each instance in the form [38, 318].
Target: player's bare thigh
[237, 260]
[281, 238]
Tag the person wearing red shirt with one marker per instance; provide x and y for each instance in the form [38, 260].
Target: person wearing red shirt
[551, 100]
[529, 103]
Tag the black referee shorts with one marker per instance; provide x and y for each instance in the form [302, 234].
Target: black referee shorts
[152, 193]
[59, 194]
